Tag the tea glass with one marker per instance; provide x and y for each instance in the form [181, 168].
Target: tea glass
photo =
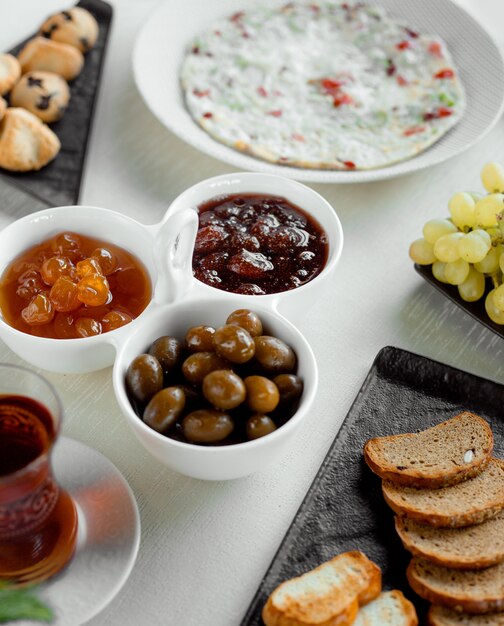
[38, 519]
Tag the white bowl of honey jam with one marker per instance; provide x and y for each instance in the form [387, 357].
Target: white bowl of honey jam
[82, 288]
[75, 280]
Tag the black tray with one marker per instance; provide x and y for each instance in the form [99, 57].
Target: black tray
[59, 182]
[344, 508]
[475, 309]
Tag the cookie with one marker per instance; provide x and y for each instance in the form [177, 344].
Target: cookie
[26, 143]
[44, 94]
[3, 107]
[10, 71]
[51, 56]
[76, 27]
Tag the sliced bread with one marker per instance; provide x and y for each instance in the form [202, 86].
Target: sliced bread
[472, 547]
[472, 591]
[470, 502]
[443, 455]
[330, 594]
[441, 616]
[390, 608]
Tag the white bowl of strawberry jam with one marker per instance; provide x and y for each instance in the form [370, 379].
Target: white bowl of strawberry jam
[262, 239]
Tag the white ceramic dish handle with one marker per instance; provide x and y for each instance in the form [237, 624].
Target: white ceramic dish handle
[173, 246]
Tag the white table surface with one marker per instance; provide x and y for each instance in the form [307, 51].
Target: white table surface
[205, 546]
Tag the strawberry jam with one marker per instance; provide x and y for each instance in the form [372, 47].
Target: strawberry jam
[256, 244]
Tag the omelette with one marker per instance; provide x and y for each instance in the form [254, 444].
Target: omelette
[321, 85]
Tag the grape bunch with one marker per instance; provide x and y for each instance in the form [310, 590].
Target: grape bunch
[467, 249]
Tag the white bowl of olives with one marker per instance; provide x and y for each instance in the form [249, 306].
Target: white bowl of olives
[212, 392]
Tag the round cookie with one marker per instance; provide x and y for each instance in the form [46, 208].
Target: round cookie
[10, 71]
[51, 56]
[76, 27]
[44, 94]
[3, 107]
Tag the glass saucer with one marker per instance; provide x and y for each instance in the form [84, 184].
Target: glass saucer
[108, 535]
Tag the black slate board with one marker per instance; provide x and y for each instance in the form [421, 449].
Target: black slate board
[59, 182]
[475, 309]
[344, 508]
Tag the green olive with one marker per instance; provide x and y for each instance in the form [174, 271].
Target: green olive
[262, 394]
[144, 377]
[198, 365]
[199, 339]
[290, 387]
[234, 343]
[224, 389]
[259, 425]
[167, 351]
[207, 426]
[274, 355]
[248, 320]
[164, 409]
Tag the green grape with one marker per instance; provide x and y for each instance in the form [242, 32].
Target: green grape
[446, 247]
[495, 234]
[498, 297]
[495, 314]
[434, 229]
[487, 209]
[456, 272]
[422, 252]
[438, 271]
[474, 246]
[501, 262]
[490, 263]
[476, 195]
[461, 207]
[473, 287]
[492, 177]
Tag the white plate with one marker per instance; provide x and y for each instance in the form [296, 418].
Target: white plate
[108, 536]
[162, 42]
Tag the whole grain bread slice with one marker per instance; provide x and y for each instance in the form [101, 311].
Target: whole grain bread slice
[329, 594]
[471, 502]
[445, 454]
[441, 616]
[472, 547]
[390, 608]
[472, 591]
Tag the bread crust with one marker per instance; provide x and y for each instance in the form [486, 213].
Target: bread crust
[436, 618]
[407, 610]
[416, 477]
[436, 517]
[481, 562]
[273, 617]
[467, 604]
[444, 521]
[306, 613]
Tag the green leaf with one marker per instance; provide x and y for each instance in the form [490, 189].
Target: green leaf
[16, 604]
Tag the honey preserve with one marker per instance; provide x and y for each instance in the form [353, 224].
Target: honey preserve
[72, 286]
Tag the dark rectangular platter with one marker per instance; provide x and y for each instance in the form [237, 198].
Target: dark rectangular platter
[344, 508]
[474, 309]
[59, 182]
